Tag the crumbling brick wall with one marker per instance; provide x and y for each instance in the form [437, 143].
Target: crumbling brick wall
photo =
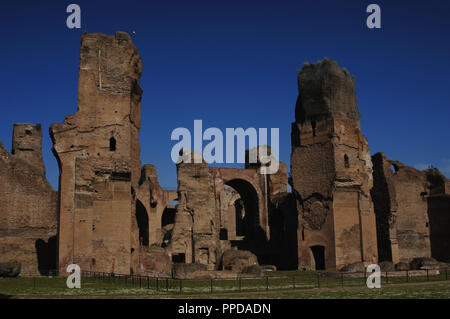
[412, 218]
[195, 237]
[110, 210]
[439, 214]
[385, 204]
[28, 204]
[231, 213]
[27, 144]
[98, 152]
[155, 200]
[331, 171]
[203, 202]
[400, 198]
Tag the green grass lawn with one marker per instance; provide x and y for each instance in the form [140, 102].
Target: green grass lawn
[293, 284]
[410, 291]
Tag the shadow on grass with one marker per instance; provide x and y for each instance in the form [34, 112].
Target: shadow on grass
[2, 296]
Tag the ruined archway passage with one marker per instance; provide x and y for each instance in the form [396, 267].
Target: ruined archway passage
[248, 226]
[247, 210]
[142, 222]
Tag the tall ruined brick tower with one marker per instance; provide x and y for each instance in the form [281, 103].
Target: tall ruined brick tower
[98, 152]
[331, 171]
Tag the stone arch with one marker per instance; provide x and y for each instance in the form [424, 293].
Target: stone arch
[249, 196]
[247, 179]
[253, 236]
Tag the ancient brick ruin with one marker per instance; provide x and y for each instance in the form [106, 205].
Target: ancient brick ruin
[205, 226]
[111, 215]
[28, 204]
[412, 209]
[331, 171]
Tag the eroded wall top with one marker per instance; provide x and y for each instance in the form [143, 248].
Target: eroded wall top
[109, 72]
[27, 144]
[325, 90]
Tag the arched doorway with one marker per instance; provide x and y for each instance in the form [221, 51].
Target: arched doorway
[142, 223]
[318, 257]
[251, 235]
[247, 210]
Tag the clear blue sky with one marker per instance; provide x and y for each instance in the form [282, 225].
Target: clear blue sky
[233, 63]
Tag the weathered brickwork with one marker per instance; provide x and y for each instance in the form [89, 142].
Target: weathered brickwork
[331, 171]
[211, 218]
[98, 152]
[28, 204]
[439, 214]
[154, 201]
[400, 197]
[345, 209]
